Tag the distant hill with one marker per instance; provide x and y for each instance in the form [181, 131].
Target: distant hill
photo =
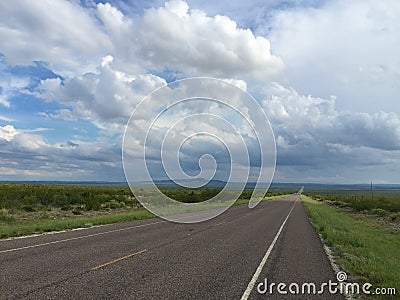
[89, 183]
[221, 184]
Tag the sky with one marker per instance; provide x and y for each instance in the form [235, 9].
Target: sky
[326, 73]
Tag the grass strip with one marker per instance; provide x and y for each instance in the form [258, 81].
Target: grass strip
[12, 228]
[47, 225]
[368, 251]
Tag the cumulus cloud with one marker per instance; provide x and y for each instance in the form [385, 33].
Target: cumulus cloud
[108, 95]
[8, 132]
[202, 127]
[170, 37]
[310, 131]
[140, 46]
[343, 48]
[25, 154]
[175, 37]
[107, 60]
[59, 32]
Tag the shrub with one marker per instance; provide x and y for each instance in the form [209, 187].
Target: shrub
[342, 204]
[66, 207]
[28, 208]
[92, 204]
[76, 211]
[380, 212]
[395, 217]
[5, 217]
[114, 204]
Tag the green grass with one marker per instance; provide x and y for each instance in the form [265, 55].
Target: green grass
[12, 228]
[46, 225]
[35, 208]
[35, 197]
[368, 250]
[385, 204]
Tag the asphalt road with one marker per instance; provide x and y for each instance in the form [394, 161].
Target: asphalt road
[224, 258]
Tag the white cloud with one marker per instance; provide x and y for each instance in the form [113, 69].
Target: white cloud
[63, 114]
[108, 61]
[23, 138]
[204, 46]
[11, 85]
[317, 142]
[237, 82]
[174, 37]
[59, 32]
[6, 119]
[4, 101]
[8, 132]
[185, 119]
[343, 48]
[29, 141]
[108, 95]
[27, 155]
[311, 131]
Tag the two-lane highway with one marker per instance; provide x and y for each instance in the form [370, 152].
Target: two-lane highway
[223, 258]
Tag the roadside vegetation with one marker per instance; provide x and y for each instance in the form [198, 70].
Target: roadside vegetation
[385, 204]
[364, 234]
[36, 208]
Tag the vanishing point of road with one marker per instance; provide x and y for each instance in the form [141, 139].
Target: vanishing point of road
[223, 258]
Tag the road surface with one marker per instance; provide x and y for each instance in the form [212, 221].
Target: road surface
[224, 258]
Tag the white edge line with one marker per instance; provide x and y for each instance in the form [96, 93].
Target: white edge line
[42, 234]
[80, 237]
[47, 233]
[253, 280]
[334, 265]
[86, 236]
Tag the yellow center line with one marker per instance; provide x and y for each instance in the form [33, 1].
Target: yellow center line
[117, 260]
[219, 224]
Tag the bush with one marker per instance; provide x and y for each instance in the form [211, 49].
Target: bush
[395, 217]
[28, 208]
[76, 211]
[380, 212]
[5, 217]
[92, 204]
[43, 196]
[114, 204]
[342, 204]
[66, 207]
